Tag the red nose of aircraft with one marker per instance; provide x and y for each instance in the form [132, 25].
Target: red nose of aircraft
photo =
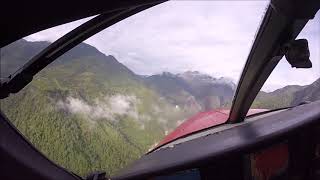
[202, 121]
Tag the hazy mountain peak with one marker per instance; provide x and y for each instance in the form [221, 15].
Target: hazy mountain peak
[195, 75]
[168, 74]
[204, 78]
[227, 81]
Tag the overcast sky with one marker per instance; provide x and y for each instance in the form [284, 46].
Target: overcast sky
[213, 37]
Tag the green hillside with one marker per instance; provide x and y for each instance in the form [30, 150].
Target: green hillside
[87, 112]
[277, 99]
[287, 96]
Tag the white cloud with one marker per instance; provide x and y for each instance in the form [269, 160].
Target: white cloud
[75, 105]
[108, 107]
[208, 36]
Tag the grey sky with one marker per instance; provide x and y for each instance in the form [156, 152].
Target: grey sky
[208, 36]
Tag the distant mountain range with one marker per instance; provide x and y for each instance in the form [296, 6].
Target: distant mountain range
[192, 90]
[288, 96]
[196, 91]
[87, 111]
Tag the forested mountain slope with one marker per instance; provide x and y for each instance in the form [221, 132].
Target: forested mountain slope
[309, 93]
[87, 111]
[288, 96]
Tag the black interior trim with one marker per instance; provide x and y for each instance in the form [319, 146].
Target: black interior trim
[241, 139]
[22, 18]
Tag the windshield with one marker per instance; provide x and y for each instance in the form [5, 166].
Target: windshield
[114, 97]
[289, 86]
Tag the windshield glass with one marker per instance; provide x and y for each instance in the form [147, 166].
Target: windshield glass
[114, 97]
[289, 86]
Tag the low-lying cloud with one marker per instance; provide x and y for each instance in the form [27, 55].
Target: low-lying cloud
[108, 107]
[116, 107]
